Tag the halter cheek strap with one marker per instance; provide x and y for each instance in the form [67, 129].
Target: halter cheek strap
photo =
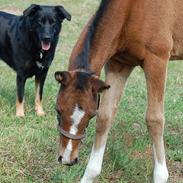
[69, 135]
[98, 101]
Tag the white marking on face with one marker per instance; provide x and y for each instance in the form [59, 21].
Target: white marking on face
[76, 118]
[160, 169]
[67, 153]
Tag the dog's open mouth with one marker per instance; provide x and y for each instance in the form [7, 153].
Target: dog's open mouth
[45, 45]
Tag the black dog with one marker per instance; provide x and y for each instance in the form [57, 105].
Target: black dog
[27, 44]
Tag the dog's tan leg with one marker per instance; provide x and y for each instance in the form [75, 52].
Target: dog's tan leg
[38, 103]
[20, 82]
[19, 108]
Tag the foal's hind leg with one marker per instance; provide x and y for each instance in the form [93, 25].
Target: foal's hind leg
[116, 78]
[155, 72]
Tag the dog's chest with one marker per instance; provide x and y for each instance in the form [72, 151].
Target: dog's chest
[40, 63]
[33, 66]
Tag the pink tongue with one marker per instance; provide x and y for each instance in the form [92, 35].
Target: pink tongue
[45, 46]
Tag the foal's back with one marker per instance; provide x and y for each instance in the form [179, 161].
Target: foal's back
[133, 29]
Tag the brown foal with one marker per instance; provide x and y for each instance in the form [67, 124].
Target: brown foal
[121, 35]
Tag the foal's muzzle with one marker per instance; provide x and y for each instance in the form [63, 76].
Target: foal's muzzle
[75, 161]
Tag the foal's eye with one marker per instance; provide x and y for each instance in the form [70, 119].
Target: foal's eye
[59, 118]
[58, 112]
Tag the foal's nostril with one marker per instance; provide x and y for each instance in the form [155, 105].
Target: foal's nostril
[60, 159]
[75, 161]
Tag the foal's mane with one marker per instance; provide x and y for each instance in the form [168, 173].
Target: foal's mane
[82, 60]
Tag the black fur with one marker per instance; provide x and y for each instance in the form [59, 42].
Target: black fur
[82, 61]
[28, 42]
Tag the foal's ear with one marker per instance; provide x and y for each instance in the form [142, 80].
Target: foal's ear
[31, 10]
[63, 77]
[62, 13]
[98, 85]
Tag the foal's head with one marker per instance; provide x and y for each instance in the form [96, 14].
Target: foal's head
[76, 105]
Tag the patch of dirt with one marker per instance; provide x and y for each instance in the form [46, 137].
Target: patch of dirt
[146, 154]
[114, 176]
[175, 172]
[128, 139]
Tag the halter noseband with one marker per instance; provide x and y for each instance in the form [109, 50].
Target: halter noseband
[69, 135]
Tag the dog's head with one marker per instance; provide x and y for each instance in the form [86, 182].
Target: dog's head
[45, 23]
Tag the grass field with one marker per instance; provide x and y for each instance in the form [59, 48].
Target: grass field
[28, 146]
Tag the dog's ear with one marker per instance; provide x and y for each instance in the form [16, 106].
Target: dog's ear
[31, 10]
[62, 13]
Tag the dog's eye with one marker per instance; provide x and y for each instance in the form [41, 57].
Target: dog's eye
[52, 22]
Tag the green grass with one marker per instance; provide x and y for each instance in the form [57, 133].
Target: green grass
[28, 146]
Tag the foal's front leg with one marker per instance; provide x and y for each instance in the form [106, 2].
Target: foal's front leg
[155, 72]
[105, 116]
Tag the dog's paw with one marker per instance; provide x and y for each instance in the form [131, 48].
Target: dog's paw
[19, 109]
[19, 114]
[40, 112]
